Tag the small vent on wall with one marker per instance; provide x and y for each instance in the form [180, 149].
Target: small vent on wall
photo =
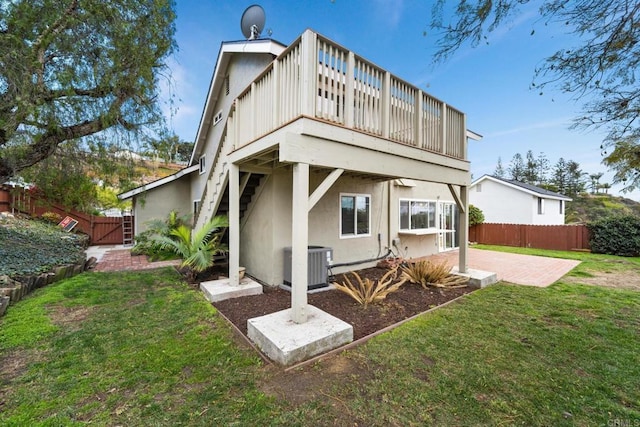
[217, 118]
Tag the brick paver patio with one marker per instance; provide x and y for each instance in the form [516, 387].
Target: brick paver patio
[514, 268]
[121, 259]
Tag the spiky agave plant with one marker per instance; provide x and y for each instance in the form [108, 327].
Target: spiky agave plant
[367, 291]
[197, 250]
[426, 273]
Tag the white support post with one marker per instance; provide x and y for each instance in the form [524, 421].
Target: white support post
[464, 229]
[300, 242]
[276, 96]
[464, 140]
[444, 128]
[253, 122]
[349, 99]
[234, 224]
[386, 105]
[418, 120]
[309, 73]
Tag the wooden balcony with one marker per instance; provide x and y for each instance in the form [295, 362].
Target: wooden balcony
[318, 79]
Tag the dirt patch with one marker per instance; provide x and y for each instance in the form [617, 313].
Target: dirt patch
[69, 317]
[613, 279]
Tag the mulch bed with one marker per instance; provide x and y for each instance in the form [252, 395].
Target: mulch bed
[408, 301]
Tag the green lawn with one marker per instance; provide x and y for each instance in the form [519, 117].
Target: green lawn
[146, 349]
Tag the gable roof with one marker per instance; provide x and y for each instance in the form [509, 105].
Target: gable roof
[521, 186]
[157, 183]
[227, 50]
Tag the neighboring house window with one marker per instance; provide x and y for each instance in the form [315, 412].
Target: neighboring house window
[540, 206]
[226, 85]
[478, 188]
[196, 207]
[561, 210]
[417, 214]
[355, 215]
[203, 165]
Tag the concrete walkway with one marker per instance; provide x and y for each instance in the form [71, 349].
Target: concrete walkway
[514, 268]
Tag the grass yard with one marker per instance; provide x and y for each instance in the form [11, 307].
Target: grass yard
[145, 349]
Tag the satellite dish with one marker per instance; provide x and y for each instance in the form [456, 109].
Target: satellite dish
[252, 22]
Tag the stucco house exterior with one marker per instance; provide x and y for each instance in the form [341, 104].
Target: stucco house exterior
[504, 201]
[310, 145]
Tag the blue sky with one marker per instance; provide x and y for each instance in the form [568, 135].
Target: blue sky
[490, 83]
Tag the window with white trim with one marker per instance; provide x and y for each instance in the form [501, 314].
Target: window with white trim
[203, 164]
[417, 214]
[196, 207]
[540, 206]
[561, 203]
[355, 215]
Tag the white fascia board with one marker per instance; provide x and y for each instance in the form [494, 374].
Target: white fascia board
[473, 135]
[227, 49]
[517, 187]
[162, 181]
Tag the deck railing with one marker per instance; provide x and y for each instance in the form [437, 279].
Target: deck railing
[316, 77]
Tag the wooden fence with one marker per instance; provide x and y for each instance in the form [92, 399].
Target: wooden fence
[557, 237]
[101, 230]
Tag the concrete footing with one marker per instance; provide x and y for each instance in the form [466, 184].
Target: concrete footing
[477, 278]
[286, 342]
[222, 289]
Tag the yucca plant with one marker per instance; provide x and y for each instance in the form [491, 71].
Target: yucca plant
[427, 273]
[367, 291]
[197, 250]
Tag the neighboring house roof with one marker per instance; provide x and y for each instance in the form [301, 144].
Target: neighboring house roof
[527, 188]
[157, 183]
[227, 49]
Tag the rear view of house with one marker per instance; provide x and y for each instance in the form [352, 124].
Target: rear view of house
[311, 146]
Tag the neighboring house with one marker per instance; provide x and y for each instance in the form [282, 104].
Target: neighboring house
[312, 145]
[506, 201]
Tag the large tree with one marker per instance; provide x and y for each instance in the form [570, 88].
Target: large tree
[72, 69]
[600, 70]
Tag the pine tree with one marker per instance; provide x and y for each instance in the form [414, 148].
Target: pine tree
[499, 172]
[516, 168]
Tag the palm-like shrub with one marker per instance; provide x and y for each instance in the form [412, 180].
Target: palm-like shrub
[427, 273]
[367, 291]
[196, 250]
[146, 242]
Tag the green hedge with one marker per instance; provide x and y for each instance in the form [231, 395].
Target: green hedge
[617, 235]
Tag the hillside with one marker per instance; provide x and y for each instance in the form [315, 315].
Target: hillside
[591, 207]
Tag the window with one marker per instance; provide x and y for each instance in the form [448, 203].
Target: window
[355, 215]
[217, 118]
[561, 204]
[196, 207]
[203, 165]
[540, 206]
[478, 188]
[417, 214]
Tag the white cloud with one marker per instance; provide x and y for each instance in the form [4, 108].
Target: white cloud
[564, 122]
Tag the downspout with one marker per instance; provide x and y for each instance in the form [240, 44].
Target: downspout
[389, 215]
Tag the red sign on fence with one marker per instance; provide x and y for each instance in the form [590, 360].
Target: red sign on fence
[68, 223]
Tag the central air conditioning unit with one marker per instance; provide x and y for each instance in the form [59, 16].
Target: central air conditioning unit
[318, 262]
